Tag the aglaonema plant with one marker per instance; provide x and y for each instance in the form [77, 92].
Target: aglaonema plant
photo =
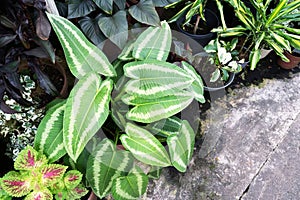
[147, 89]
[38, 179]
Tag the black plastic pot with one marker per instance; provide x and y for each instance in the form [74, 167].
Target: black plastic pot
[212, 21]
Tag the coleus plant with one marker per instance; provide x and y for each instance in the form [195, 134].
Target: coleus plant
[134, 101]
[38, 179]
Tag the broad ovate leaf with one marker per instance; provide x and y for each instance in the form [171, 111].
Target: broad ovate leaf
[52, 173]
[49, 137]
[145, 12]
[80, 8]
[151, 110]
[15, 185]
[154, 43]
[115, 28]
[77, 192]
[72, 178]
[43, 194]
[29, 159]
[144, 146]
[82, 56]
[105, 164]
[181, 146]
[132, 186]
[197, 86]
[86, 110]
[165, 127]
[105, 5]
[152, 78]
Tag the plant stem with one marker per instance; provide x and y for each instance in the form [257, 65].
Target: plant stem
[196, 24]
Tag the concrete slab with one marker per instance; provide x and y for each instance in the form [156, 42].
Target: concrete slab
[251, 144]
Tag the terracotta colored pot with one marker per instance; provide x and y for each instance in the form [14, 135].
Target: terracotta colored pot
[294, 61]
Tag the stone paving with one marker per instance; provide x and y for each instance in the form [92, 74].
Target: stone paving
[251, 148]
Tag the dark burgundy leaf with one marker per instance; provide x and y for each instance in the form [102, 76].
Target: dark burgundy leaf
[16, 94]
[37, 52]
[10, 67]
[6, 39]
[40, 4]
[43, 79]
[23, 37]
[6, 109]
[47, 48]
[43, 27]
[7, 22]
[14, 80]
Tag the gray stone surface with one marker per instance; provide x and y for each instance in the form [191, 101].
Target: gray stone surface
[250, 150]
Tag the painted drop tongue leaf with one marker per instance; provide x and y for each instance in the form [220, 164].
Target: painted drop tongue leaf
[52, 173]
[15, 185]
[49, 137]
[40, 195]
[105, 164]
[131, 186]
[144, 146]
[82, 56]
[72, 178]
[86, 110]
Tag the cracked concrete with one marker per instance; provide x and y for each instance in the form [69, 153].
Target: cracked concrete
[250, 149]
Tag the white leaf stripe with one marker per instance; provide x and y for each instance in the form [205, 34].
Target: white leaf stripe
[151, 33]
[85, 57]
[60, 149]
[165, 44]
[120, 191]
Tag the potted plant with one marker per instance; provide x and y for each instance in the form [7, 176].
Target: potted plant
[195, 20]
[294, 59]
[264, 30]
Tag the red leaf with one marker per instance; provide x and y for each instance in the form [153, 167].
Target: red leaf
[52, 173]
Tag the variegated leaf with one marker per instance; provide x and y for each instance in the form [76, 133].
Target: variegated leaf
[155, 78]
[77, 192]
[105, 164]
[49, 137]
[154, 43]
[15, 185]
[86, 110]
[144, 146]
[52, 173]
[29, 159]
[81, 55]
[131, 186]
[181, 146]
[155, 172]
[72, 178]
[165, 127]
[43, 194]
[151, 110]
[197, 86]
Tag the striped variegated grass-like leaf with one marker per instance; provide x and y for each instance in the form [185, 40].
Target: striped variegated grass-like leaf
[106, 164]
[151, 110]
[181, 146]
[81, 55]
[86, 110]
[144, 146]
[155, 78]
[197, 86]
[131, 186]
[49, 137]
[154, 43]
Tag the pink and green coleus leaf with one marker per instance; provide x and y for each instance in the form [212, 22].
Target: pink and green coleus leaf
[29, 159]
[72, 178]
[52, 173]
[14, 184]
[77, 192]
[44, 194]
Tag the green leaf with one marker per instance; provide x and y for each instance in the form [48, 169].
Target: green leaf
[52, 173]
[162, 3]
[215, 75]
[154, 43]
[144, 146]
[92, 31]
[132, 186]
[145, 12]
[115, 28]
[44, 194]
[80, 8]
[72, 179]
[181, 146]
[81, 55]
[106, 164]
[151, 110]
[49, 137]
[155, 78]
[105, 5]
[15, 185]
[165, 127]
[254, 58]
[77, 192]
[86, 110]
[155, 172]
[197, 86]
[29, 159]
